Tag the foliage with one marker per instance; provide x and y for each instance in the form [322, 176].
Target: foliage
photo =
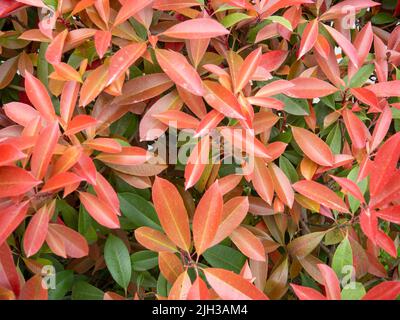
[307, 93]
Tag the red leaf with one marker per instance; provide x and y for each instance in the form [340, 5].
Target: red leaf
[262, 180]
[309, 88]
[9, 154]
[44, 149]
[128, 156]
[350, 187]
[247, 69]
[172, 212]
[9, 278]
[357, 130]
[154, 240]
[69, 97]
[201, 28]
[197, 162]
[33, 289]
[331, 282]
[15, 181]
[10, 218]
[198, 290]
[36, 231]
[207, 218]
[388, 290]
[230, 286]
[60, 181]
[306, 293]
[308, 38]
[321, 194]
[381, 129]
[313, 147]
[102, 40]
[180, 71]
[79, 123]
[100, 210]
[106, 145]
[38, 95]
[248, 244]
[130, 8]
[55, 49]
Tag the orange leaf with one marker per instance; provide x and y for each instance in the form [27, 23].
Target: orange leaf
[198, 290]
[313, 147]
[207, 218]
[281, 184]
[197, 161]
[247, 69]
[60, 181]
[154, 240]
[79, 123]
[248, 244]
[55, 49]
[128, 156]
[9, 154]
[9, 278]
[106, 145]
[309, 88]
[10, 219]
[69, 96]
[102, 40]
[130, 8]
[230, 286]
[308, 38]
[357, 130]
[38, 95]
[180, 71]
[15, 181]
[93, 85]
[180, 288]
[170, 266]
[44, 149]
[172, 212]
[201, 28]
[33, 289]
[321, 194]
[100, 210]
[36, 232]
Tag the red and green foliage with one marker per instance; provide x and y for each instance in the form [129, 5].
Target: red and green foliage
[308, 89]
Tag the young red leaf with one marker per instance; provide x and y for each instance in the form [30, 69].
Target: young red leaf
[172, 212]
[197, 162]
[9, 278]
[387, 290]
[36, 232]
[247, 69]
[130, 8]
[154, 240]
[230, 286]
[15, 181]
[357, 130]
[198, 290]
[201, 28]
[180, 71]
[60, 181]
[309, 37]
[248, 244]
[349, 186]
[306, 293]
[9, 154]
[321, 194]
[331, 282]
[207, 218]
[310, 88]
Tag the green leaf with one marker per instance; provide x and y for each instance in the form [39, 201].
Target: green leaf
[297, 107]
[225, 257]
[138, 210]
[144, 260]
[163, 286]
[362, 76]
[282, 21]
[85, 291]
[363, 185]
[64, 281]
[382, 18]
[116, 256]
[233, 18]
[42, 65]
[334, 139]
[288, 169]
[353, 291]
[343, 258]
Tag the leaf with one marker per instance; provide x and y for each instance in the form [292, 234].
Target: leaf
[233, 18]
[102, 40]
[15, 181]
[107, 145]
[180, 71]
[248, 244]
[305, 293]
[170, 266]
[302, 246]
[38, 96]
[247, 69]
[116, 256]
[201, 28]
[313, 147]
[129, 9]
[221, 256]
[36, 232]
[198, 290]
[349, 186]
[172, 212]
[144, 260]
[381, 128]
[388, 290]
[281, 185]
[79, 123]
[69, 96]
[345, 44]
[262, 180]
[10, 219]
[138, 210]
[331, 282]
[127, 157]
[93, 85]
[9, 278]
[73, 243]
[197, 162]
[276, 286]
[234, 211]
[154, 240]
[357, 130]
[321, 194]
[207, 218]
[123, 59]
[55, 49]
[100, 210]
[310, 88]
[353, 291]
[9, 154]
[33, 289]
[181, 287]
[82, 290]
[384, 164]
[308, 38]
[339, 10]
[222, 100]
[230, 286]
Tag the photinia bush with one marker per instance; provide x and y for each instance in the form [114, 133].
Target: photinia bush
[195, 149]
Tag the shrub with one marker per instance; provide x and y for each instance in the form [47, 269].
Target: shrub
[234, 149]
